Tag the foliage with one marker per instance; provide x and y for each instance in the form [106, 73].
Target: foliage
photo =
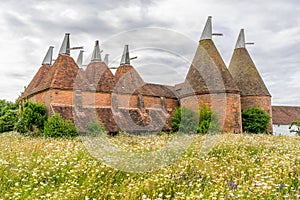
[255, 120]
[31, 118]
[297, 124]
[240, 166]
[208, 121]
[55, 126]
[8, 115]
[94, 128]
[7, 105]
[184, 120]
[8, 120]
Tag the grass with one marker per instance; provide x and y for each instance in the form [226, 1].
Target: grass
[238, 167]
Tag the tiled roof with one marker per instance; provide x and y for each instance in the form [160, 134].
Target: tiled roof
[246, 75]
[38, 77]
[81, 119]
[62, 74]
[127, 80]
[285, 114]
[208, 72]
[151, 89]
[132, 119]
[98, 74]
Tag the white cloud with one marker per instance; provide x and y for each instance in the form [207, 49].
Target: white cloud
[28, 27]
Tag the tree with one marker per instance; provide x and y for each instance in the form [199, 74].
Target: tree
[297, 124]
[255, 120]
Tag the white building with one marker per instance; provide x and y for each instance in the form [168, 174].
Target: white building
[282, 117]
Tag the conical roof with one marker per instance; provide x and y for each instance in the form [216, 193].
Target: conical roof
[99, 75]
[208, 72]
[38, 77]
[127, 78]
[61, 75]
[245, 72]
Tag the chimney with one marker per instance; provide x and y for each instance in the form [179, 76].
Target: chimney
[80, 59]
[48, 57]
[125, 57]
[96, 56]
[106, 59]
[207, 31]
[240, 43]
[65, 47]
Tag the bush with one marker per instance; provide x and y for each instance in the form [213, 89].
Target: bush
[184, 120]
[255, 120]
[55, 126]
[8, 115]
[8, 120]
[94, 128]
[295, 123]
[31, 118]
[208, 121]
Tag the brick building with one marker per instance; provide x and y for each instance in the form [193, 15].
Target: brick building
[123, 101]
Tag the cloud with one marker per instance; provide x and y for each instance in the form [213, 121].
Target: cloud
[157, 31]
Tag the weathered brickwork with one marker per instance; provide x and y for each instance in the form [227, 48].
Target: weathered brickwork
[226, 106]
[263, 102]
[125, 102]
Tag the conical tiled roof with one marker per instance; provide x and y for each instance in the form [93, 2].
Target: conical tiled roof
[208, 72]
[244, 71]
[97, 72]
[61, 75]
[38, 77]
[99, 75]
[127, 78]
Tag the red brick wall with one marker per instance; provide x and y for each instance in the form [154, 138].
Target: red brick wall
[61, 96]
[263, 102]
[40, 97]
[96, 99]
[131, 101]
[227, 107]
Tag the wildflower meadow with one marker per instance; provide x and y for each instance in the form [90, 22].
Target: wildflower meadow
[239, 166]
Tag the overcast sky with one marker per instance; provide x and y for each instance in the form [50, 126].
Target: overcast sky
[163, 34]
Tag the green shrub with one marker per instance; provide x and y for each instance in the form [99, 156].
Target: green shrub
[31, 118]
[55, 126]
[8, 115]
[295, 123]
[7, 105]
[208, 121]
[94, 128]
[255, 120]
[8, 120]
[184, 120]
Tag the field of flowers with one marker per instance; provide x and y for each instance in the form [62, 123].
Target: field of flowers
[238, 167]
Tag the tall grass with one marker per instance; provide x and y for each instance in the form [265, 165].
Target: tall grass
[238, 167]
